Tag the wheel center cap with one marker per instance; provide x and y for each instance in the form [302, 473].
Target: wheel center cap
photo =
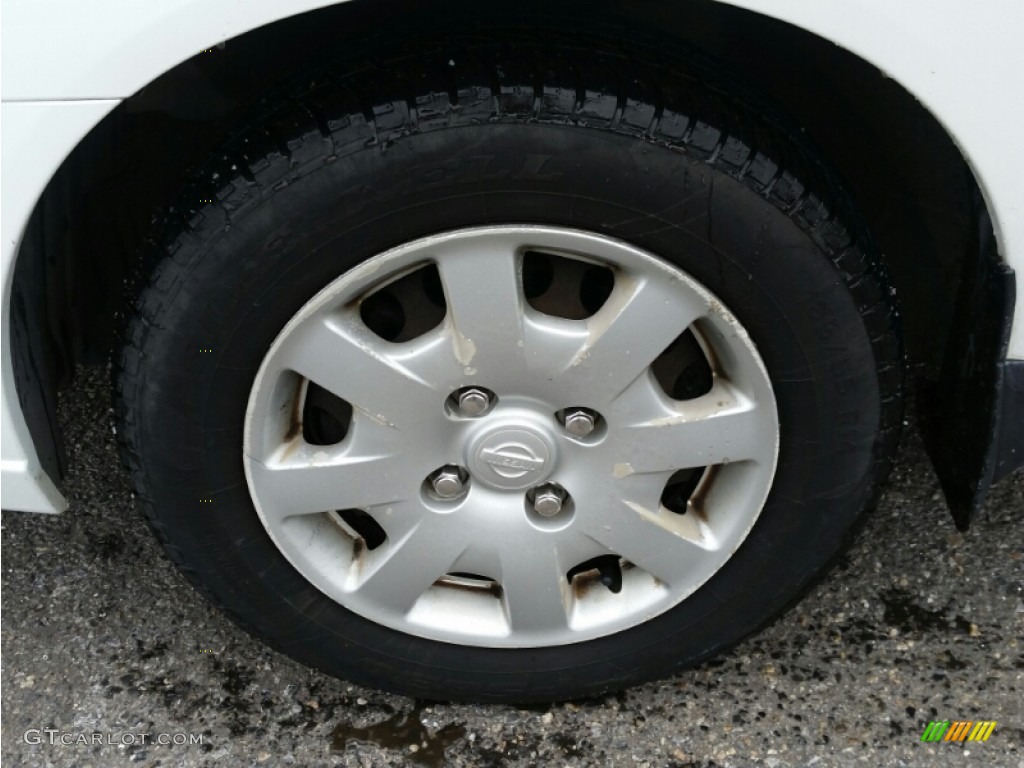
[511, 458]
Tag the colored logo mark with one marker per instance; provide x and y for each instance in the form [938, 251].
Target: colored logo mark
[959, 730]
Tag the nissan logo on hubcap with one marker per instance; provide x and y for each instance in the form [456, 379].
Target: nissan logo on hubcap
[511, 458]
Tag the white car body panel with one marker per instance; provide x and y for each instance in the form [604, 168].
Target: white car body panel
[66, 65]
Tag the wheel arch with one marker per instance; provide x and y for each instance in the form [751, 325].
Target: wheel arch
[903, 167]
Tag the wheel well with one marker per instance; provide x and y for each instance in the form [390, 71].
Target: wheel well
[905, 173]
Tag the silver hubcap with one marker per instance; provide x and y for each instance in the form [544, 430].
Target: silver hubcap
[511, 475]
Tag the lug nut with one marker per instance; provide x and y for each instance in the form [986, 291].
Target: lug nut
[447, 482]
[473, 401]
[548, 500]
[579, 422]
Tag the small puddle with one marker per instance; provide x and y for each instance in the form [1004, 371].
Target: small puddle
[901, 612]
[403, 732]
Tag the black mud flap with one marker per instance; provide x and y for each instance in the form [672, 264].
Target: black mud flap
[972, 418]
[1009, 443]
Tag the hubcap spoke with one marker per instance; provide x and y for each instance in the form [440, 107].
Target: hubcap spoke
[668, 546]
[485, 306]
[534, 588]
[397, 574]
[304, 484]
[347, 360]
[637, 323]
[719, 427]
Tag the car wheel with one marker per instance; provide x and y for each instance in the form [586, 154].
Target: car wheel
[527, 386]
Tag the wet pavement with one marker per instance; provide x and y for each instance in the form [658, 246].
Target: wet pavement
[104, 643]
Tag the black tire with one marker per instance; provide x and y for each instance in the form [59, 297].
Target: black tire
[581, 135]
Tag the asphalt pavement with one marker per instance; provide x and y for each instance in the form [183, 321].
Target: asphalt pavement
[111, 658]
